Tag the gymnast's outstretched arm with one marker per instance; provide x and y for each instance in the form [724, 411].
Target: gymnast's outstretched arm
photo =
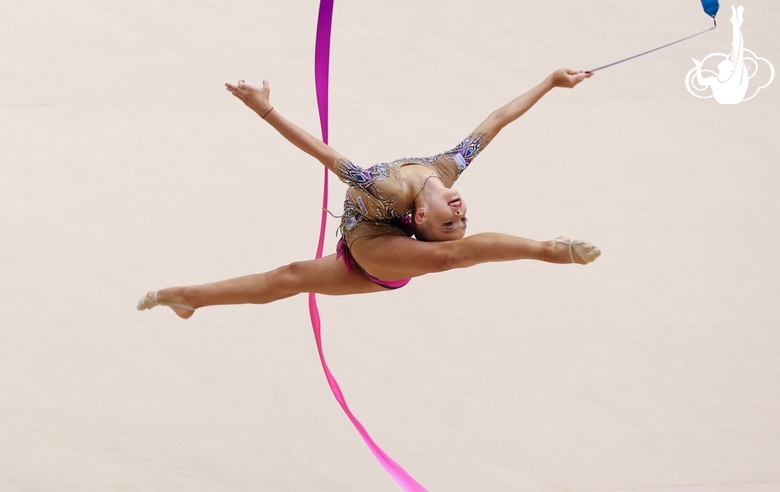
[257, 99]
[498, 119]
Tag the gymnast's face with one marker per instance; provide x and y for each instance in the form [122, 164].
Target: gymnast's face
[443, 218]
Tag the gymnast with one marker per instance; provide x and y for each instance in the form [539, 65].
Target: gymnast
[386, 207]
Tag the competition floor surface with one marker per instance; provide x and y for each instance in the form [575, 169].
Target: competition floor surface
[126, 166]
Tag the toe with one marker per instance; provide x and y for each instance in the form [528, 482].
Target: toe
[585, 251]
[145, 302]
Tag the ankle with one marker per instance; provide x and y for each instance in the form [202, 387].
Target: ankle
[185, 297]
[556, 252]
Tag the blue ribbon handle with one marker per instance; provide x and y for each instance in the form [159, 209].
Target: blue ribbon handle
[710, 7]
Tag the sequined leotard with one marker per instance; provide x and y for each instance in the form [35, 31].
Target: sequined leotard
[375, 203]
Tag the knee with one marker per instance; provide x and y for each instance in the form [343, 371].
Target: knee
[288, 278]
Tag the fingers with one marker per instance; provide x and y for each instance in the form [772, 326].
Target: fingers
[580, 76]
[242, 86]
[568, 77]
[240, 90]
[577, 75]
[571, 71]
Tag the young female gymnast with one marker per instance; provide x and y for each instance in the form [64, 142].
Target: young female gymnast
[385, 206]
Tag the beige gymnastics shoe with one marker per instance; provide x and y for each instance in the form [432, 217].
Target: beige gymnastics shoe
[584, 249]
[146, 303]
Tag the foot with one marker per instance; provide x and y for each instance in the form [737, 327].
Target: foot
[153, 298]
[577, 251]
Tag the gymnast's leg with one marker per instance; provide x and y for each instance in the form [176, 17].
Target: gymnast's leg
[396, 257]
[326, 275]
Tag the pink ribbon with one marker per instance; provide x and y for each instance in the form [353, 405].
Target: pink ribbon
[321, 65]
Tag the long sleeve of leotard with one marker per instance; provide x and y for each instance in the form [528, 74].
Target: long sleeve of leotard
[451, 164]
[352, 174]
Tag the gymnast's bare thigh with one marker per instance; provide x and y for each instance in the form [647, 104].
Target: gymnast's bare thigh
[328, 275]
[393, 257]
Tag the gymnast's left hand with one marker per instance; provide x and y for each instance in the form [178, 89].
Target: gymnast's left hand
[257, 99]
[566, 77]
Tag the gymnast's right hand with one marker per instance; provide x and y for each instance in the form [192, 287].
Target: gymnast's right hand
[566, 77]
[257, 99]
